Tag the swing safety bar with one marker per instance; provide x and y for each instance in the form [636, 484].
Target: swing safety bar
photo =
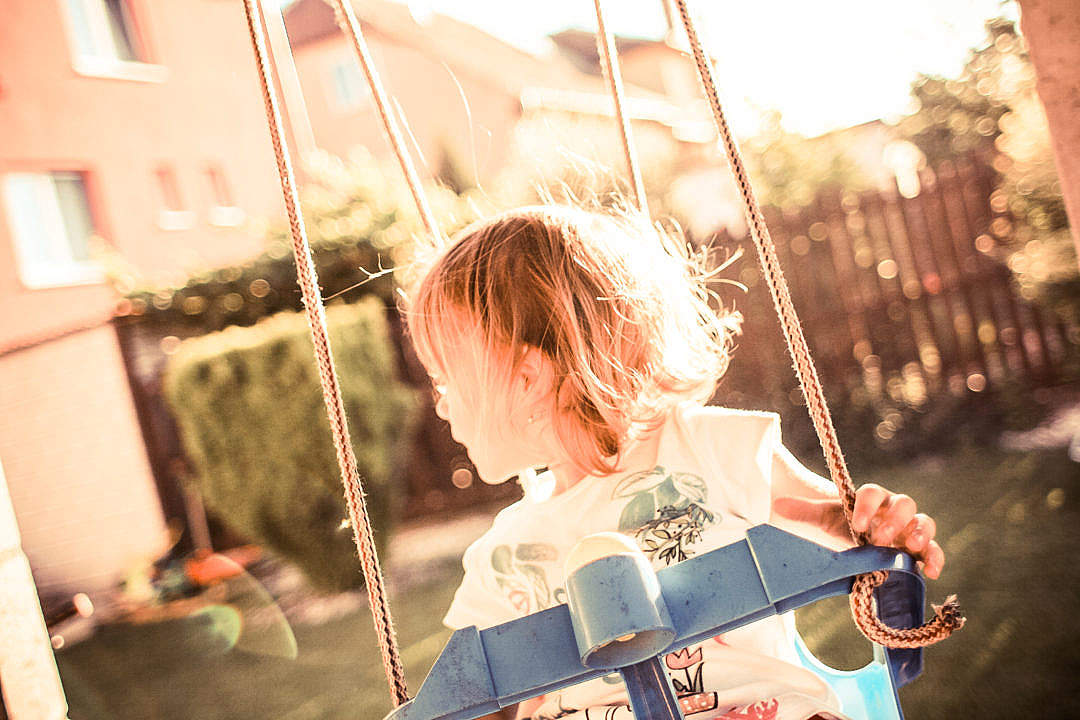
[769, 572]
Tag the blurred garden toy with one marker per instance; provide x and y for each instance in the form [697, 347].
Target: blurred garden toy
[625, 629]
[204, 567]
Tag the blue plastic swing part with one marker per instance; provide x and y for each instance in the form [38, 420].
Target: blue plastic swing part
[622, 616]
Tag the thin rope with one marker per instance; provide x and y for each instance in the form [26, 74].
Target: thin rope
[346, 20]
[947, 617]
[335, 408]
[609, 62]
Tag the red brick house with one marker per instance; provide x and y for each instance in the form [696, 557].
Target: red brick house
[128, 129]
[462, 90]
[133, 144]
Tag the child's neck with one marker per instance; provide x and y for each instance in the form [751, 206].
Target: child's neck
[641, 454]
[566, 475]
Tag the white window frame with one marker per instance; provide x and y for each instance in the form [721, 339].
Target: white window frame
[170, 218]
[223, 212]
[357, 86]
[102, 60]
[44, 253]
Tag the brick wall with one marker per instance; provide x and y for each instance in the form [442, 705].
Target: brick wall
[477, 132]
[75, 464]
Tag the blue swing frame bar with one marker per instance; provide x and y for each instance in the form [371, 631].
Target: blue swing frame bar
[769, 572]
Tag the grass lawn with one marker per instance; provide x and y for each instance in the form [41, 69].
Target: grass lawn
[191, 668]
[1010, 522]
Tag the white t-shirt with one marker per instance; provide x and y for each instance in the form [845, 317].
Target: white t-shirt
[712, 481]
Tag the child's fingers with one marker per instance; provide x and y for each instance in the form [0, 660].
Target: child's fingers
[918, 533]
[868, 499]
[894, 516]
[934, 560]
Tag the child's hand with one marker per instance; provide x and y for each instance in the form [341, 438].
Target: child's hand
[891, 519]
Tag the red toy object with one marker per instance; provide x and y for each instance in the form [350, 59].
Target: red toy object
[207, 568]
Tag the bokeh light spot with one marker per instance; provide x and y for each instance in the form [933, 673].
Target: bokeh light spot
[169, 344]
[887, 269]
[232, 302]
[193, 305]
[1016, 514]
[259, 288]
[462, 478]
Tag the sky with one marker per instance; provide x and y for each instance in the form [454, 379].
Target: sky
[823, 65]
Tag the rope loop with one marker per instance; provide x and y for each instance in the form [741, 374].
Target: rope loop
[947, 617]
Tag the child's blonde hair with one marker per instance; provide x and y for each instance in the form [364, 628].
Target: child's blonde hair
[617, 305]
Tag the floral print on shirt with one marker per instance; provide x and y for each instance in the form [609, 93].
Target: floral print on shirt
[666, 512]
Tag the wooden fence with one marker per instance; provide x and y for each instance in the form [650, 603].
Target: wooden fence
[902, 298]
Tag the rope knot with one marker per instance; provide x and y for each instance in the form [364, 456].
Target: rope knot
[949, 614]
[947, 617]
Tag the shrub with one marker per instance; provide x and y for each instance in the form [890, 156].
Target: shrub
[254, 428]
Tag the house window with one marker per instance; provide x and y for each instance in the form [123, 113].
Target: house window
[348, 89]
[51, 224]
[105, 43]
[173, 215]
[223, 211]
[170, 190]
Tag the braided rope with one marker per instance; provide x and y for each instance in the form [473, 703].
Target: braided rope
[609, 62]
[947, 617]
[335, 408]
[864, 610]
[346, 20]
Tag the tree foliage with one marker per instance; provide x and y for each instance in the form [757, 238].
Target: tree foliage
[255, 432]
[360, 221]
[789, 169]
[992, 112]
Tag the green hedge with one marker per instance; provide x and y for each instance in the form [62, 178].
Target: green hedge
[254, 428]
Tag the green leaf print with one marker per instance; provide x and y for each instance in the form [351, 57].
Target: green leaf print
[690, 486]
[637, 512]
[638, 482]
[502, 559]
[536, 552]
[665, 494]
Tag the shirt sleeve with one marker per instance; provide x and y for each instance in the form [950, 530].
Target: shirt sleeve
[791, 477]
[478, 600]
[738, 449]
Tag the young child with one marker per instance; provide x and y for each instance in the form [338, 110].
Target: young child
[584, 344]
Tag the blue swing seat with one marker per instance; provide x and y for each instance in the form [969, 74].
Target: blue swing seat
[870, 693]
[769, 572]
[865, 694]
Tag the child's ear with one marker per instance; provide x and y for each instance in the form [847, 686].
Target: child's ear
[535, 372]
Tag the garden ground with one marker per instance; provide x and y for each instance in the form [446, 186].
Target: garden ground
[1009, 520]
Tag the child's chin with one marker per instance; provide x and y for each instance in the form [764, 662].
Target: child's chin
[497, 477]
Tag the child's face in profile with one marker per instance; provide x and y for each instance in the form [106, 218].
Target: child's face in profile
[498, 418]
